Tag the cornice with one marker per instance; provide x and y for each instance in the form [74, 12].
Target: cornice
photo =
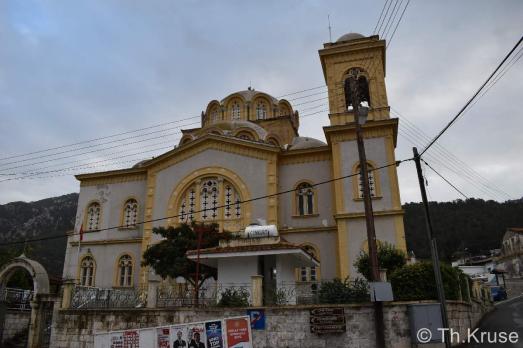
[362, 214]
[371, 129]
[108, 242]
[307, 229]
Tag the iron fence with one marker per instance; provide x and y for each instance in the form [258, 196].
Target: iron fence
[16, 299]
[91, 297]
[208, 295]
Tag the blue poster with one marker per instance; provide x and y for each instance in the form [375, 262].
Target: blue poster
[257, 317]
[214, 334]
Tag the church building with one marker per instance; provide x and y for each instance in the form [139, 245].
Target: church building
[248, 146]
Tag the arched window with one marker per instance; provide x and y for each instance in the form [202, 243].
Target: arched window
[130, 213]
[235, 111]
[362, 86]
[87, 270]
[261, 111]
[372, 181]
[273, 141]
[304, 199]
[244, 135]
[310, 274]
[125, 271]
[206, 194]
[93, 216]
[284, 111]
[214, 116]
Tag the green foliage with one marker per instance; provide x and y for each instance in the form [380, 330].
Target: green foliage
[234, 297]
[416, 282]
[389, 258]
[347, 291]
[479, 224]
[168, 257]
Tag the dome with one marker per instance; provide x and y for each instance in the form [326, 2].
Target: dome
[300, 143]
[231, 126]
[249, 95]
[349, 37]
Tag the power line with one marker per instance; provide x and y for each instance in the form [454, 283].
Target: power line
[471, 99]
[396, 163]
[446, 180]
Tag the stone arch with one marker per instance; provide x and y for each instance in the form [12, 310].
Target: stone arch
[35, 270]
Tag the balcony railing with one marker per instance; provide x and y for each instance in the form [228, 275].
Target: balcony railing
[91, 297]
[208, 295]
[16, 299]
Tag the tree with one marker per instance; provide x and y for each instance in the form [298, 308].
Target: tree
[389, 258]
[168, 257]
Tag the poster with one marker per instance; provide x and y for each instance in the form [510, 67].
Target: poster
[163, 337]
[213, 330]
[126, 339]
[196, 335]
[238, 333]
[179, 336]
[257, 318]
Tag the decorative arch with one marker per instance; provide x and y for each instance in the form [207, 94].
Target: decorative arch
[262, 107]
[227, 175]
[374, 181]
[305, 202]
[213, 111]
[284, 108]
[187, 138]
[249, 132]
[235, 108]
[214, 130]
[274, 140]
[35, 270]
[128, 275]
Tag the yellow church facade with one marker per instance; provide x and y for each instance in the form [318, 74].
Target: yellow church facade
[233, 169]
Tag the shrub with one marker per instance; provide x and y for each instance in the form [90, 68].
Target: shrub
[389, 258]
[347, 291]
[416, 282]
[232, 297]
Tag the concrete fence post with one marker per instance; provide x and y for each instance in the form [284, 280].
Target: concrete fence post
[257, 290]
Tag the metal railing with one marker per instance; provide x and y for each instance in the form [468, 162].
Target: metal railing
[91, 297]
[16, 299]
[208, 295]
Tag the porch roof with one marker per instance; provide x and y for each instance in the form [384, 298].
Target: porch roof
[209, 255]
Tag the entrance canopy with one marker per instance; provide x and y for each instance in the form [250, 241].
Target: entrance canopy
[210, 256]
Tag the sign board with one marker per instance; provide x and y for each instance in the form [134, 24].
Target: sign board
[381, 291]
[238, 332]
[257, 317]
[327, 320]
[259, 231]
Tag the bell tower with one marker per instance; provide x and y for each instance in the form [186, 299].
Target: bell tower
[360, 59]
[354, 51]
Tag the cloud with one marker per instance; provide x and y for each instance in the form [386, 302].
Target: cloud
[75, 71]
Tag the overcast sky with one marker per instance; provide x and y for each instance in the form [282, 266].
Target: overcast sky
[78, 70]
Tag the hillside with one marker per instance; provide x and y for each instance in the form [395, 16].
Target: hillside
[40, 219]
[473, 224]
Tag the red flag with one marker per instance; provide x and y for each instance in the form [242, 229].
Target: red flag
[81, 232]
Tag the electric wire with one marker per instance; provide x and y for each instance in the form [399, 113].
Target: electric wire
[445, 179]
[396, 163]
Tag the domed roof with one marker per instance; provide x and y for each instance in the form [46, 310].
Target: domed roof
[349, 37]
[300, 143]
[249, 95]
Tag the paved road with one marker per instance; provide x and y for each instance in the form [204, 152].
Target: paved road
[506, 317]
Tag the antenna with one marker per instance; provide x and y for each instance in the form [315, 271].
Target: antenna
[330, 31]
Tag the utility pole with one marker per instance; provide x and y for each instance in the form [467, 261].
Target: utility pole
[433, 249]
[367, 200]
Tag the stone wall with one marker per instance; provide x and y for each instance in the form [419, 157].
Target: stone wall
[16, 323]
[285, 326]
[514, 286]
